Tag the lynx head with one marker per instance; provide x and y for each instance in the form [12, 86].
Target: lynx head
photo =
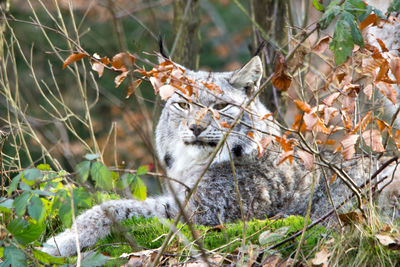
[190, 128]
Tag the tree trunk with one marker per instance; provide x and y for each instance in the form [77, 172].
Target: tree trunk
[186, 23]
[271, 16]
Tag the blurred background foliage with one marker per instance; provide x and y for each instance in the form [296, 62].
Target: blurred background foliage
[207, 34]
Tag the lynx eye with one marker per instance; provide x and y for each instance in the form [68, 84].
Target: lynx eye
[183, 105]
[221, 106]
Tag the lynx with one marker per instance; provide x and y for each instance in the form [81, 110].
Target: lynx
[186, 138]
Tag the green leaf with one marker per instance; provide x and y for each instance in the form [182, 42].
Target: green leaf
[102, 175]
[394, 6]
[364, 15]
[355, 31]
[14, 257]
[269, 237]
[82, 198]
[139, 189]
[95, 259]
[6, 204]
[83, 169]
[24, 231]
[142, 170]
[21, 202]
[14, 184]
[331, 12]
[46, 258]
[91, 156]
[43, 167]
[318, 6]
[125, 180]
[357, 6]
[33, 175]
[36, 209]
[65, 213]
[342, 43]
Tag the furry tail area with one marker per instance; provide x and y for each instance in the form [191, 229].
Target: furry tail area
[96, 222]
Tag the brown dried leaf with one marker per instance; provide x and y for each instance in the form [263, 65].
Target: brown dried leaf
[166, 91]
[266, 116]
[389, 241]
[365, 120]
[99, 68]
[368, 90]
[284, 156]
[302, 106]
[156, 83]
[383, 126]
[351, 218]
[132, 87]
[224, 124]
[331, 99]
[307, 159]
[394, 64]
[348, 104]
[321, 128]
[322, 45]
[348, 146]
[387, 90]
[382, 45]
[333, 178]
[73, 58]
[329, 113]
[373, 139]
[122, 60]
[281, 80]
[371, 19]
[120, 78]
[199, 115]
[321, 258]
[310, 120]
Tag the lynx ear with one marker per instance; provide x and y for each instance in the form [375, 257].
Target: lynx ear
[249, 75]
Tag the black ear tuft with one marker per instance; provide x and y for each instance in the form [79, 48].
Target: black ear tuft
[161, 47]
[259, 49]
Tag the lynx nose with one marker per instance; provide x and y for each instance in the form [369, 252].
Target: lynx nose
[196, 129]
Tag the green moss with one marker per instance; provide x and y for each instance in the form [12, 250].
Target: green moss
[150, 233]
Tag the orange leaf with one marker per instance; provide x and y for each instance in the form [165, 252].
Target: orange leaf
[322, 45]
[307, 159]
[284, 156]
[224, 124]
[73, 58]
[346, 119]
[120, 78]
[371, 19]
[132, 87]
[373, 139]
[302, 106]
[166, 91]
[266, 116]
[260, 148]
[348, 146]
[121, 60]
[382, 45]
[366, 119]
[296, 125]
[387, 90]
[383, 125]
[333, 178]
[321, 128]
[99, 68]
[281, 80]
